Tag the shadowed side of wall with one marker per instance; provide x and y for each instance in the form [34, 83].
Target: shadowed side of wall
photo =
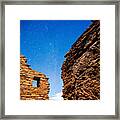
[81, 68]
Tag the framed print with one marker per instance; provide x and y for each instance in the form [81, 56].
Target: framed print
[60, 60]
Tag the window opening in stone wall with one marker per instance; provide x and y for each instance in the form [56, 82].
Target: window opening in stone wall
[36, 82]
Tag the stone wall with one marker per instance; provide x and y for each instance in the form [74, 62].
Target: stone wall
[81, 68]
[33, 85]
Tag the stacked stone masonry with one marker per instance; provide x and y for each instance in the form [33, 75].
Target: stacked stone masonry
[28, 91]
[81, 68]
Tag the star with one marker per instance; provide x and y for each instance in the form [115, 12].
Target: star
[50, 44]
[39, 48]
[46, 27]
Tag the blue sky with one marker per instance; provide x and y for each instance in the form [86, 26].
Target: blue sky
[45, 42]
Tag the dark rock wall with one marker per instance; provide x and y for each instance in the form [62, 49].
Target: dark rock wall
[81, 68]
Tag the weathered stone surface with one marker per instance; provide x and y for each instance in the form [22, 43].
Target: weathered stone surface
[81, 68]
[27, 90]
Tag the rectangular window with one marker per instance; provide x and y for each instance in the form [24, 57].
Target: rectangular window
[36, 82]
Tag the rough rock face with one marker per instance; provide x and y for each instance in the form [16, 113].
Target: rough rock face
[33, 85]
[81, 68]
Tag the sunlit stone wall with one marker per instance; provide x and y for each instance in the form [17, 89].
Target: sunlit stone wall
[33, 85]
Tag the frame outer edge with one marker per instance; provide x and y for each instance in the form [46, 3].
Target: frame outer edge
[2, 60]
[118, 94]
[0, 65]
[59, 2]
[117, 26]
[2, 56]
